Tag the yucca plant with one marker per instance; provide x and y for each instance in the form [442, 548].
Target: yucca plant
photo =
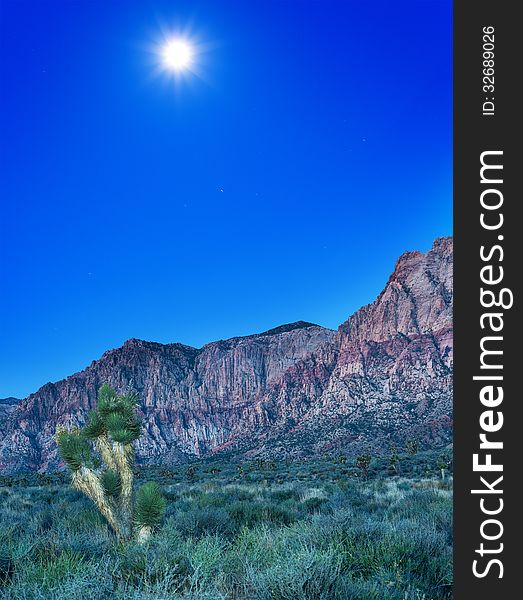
[150, 507]
[100, 457]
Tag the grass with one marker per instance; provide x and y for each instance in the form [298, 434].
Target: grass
[300, 531]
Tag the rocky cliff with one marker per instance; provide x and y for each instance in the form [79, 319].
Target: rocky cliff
[296, 390]
[7, 405]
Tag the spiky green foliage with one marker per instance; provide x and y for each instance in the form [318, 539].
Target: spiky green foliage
[128, 402]
[73, 448]
[134, 426]
[110, 403]
[111, 483]
[95, 426]
[116, 416]
[123, 436]
[122, 427]
[105, 394]
[150, 505]
[115, 422]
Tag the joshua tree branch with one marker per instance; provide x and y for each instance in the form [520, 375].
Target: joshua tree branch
[86, 481]
[105, 448]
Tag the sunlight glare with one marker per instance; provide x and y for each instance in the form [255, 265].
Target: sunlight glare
[177, 55]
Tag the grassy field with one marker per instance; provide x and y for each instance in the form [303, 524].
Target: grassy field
[316, 530]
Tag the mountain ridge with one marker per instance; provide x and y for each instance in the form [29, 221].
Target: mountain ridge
[295, 390]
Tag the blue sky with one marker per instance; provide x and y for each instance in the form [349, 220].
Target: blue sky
[279, 181]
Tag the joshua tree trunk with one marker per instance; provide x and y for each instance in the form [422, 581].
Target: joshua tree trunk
[124, 456]
[86, 481]
[105, 448]
[144, 533]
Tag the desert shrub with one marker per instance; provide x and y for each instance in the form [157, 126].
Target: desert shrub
[132, 564]
[198, 522]
[207, 559]
[50, 570]
[312, 505]
[170, 496]
[91, 545]
[214, 499]
[285, 494]
[45, 520]
[248, 514]
[7, 567]
[304, 574]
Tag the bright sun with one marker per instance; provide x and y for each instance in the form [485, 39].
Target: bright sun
[177, 55]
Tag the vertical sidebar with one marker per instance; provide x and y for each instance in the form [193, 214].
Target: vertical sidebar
[487, 273]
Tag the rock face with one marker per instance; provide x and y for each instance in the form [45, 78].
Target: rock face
[297, 390]
[7, 405]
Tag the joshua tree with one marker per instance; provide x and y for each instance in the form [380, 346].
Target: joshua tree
[190, 473]
[101, 459]
[443, 463]
[363, 463]
[394, 460]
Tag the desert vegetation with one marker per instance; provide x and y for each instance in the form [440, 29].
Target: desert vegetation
[261, 530]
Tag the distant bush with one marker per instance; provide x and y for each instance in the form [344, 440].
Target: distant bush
[199, 522]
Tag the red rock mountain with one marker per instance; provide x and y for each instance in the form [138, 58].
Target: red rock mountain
[297, 390]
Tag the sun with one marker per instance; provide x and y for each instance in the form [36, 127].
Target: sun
[177, 55]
